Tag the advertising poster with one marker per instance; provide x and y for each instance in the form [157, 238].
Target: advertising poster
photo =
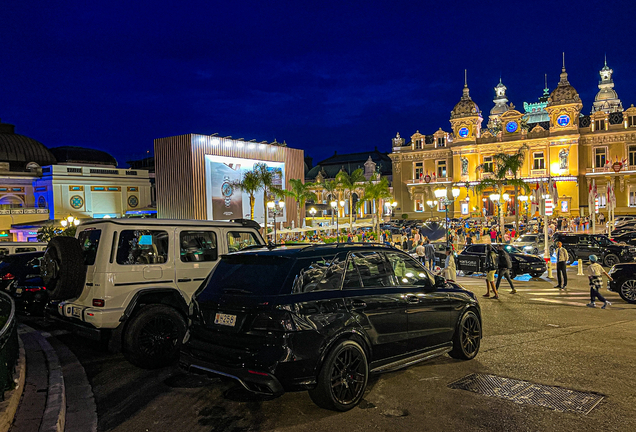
[224, 200]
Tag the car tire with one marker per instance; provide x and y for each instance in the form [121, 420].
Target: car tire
[610, 260]
[535, 251]
[349, 360]
[153, 336]
[627, 291]
[467, 337]
[62, 268]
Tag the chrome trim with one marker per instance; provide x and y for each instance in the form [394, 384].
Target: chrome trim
[228, 376]
[409, 361]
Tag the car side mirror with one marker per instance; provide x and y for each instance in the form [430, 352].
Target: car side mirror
[439, 281]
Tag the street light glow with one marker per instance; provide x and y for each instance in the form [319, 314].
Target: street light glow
[495, 197]
[439, 193]
[455, 192]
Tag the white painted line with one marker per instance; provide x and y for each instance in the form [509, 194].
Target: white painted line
[558, 302]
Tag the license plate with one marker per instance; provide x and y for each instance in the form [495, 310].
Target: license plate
[18, 290]
[225, 319]
[76, 312]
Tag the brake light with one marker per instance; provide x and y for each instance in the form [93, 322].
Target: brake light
[98, 302]
[8, 276]
[257, 373]
[35, 289]
[279, 321]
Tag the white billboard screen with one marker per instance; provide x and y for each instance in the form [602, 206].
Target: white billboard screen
[225, 201]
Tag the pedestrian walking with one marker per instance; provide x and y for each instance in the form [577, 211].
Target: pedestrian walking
[429, 254]
[450, 269]
[421, 252]
[491, 267]
[562, 259]
[504, 264]
[595, 274]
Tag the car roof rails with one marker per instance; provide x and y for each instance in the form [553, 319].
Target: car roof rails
[247, 223]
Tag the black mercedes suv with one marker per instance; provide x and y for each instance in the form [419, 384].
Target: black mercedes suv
[322, 318]
[473, 260]
[581, 245]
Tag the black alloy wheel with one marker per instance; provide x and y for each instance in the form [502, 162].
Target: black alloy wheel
[627, 291]
[610, 260]
[535, 251]
[343, 378]
[467, 338]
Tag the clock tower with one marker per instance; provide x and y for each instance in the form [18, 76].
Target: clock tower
[466, 118]
[564, 106]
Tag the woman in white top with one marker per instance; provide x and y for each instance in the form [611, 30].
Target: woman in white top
[450, 269]
[595, 274]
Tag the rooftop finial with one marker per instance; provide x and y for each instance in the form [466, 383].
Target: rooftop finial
[564, 60]
[546, 80]
[605, 59]
[465, 77]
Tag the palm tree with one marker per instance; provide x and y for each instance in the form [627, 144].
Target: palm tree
[250, 184]
[330, 186]
[266, 177]
[506, 165]
[349, 183]
[300, 192]
[375, 191]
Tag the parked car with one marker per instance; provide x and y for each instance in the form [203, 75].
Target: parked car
[323, 317]
[582, 245]
[130, 281]
[624, 281]
[473, 260]
[628, 237]
[7, 248]
[20, 277]
[530, 243]
[619, 220]
[624, 229]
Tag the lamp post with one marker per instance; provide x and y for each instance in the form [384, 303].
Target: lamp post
[524, 200]
[312, 212]
[275, 207]
[495, 199]
[442, 195]
[334, 205]
[69, 222]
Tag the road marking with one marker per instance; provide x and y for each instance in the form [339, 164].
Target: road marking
[558, 301]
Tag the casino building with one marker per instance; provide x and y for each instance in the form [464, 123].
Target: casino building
[563, 141]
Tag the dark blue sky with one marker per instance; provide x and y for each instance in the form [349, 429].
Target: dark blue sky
[323, 76]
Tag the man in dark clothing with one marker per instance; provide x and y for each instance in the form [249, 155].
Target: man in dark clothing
[503, 268]
[429, 254]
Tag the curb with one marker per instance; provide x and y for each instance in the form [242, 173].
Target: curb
[55, 412]
[9, 407]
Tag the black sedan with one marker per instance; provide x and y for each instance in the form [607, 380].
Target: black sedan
[473, 260]
[20, 277]
[624, 281]
[625, 237]
[323, 317]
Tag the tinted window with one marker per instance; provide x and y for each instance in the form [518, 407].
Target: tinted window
[408, 271]
[308, 274]
[332, 278]
[237, 240]
[511, 249]
[603, 241]
[247, 274]
[4, 251]
[198, 246]
[527, 238]
[89, 242]
[24, 249]
[567, 239]
[142, 247]
[584, 240]
[480, 248]
[372, 268]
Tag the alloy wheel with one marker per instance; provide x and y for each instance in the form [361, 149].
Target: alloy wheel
[471, 334]
[158, 337]
[611, 260]
[628, 289]
[348, 376]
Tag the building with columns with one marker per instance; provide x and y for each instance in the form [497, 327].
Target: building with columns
[561, 139]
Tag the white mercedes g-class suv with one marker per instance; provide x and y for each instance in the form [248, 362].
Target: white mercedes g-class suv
[130, 281]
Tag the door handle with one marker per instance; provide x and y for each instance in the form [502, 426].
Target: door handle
[184, 280]
[358, 304]
[412, 299]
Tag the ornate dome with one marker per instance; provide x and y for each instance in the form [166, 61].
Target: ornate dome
[465, 107]
[19, 150]
[564, 93]
[606, 94]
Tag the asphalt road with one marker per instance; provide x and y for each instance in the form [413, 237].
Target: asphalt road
[539, 335]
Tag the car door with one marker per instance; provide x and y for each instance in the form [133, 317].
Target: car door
[378, 305]
[472, 259]
[428, 309]
[586, 246]
[196, 255]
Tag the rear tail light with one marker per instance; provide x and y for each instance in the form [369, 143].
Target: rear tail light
[98, 302]
[8, 276]
[35, 289]
[275, 321]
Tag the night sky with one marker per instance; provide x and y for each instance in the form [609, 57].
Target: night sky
[322, 76]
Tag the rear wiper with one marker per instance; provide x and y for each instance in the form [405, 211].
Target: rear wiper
[237, 290]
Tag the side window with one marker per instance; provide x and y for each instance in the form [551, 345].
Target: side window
[4, 251]
[332, 278]
[237, 240]
[408, 271]
[309, 274]
[89, 242]
[142, 247]
[584, 240]
[24, 249]
[480, 248]
[198, 246]
[372, 268]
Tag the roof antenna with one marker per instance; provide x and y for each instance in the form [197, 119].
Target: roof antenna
[465, 78]
[546, 80]
[605, 59]
[563, 60]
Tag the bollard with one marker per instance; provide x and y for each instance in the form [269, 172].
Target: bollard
[580, 266]
[550, 269]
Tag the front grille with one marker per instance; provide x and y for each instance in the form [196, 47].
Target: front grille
[525, 392]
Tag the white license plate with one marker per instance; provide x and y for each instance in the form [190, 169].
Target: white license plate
[76, 312]
[18, 290]
[225, 319]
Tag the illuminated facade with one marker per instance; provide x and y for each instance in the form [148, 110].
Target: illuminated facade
[562, 142]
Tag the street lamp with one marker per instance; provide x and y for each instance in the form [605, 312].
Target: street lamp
[334, 206]
[70, 221]
[442, 195]
[275, 207]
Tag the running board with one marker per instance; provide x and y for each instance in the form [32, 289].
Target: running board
[412, 360]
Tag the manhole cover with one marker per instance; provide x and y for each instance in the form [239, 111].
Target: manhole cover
[525, 392]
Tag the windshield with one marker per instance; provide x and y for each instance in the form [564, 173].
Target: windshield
[247, 274]
[511, 249]
[526, 239]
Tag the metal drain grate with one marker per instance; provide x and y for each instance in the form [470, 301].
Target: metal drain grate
[524, 392]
